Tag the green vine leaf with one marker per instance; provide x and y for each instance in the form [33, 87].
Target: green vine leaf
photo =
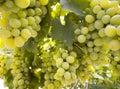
[64, 33]
[75, 6]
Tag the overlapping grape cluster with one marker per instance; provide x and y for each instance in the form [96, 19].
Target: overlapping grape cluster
[99, 37]
[20, 20]
[59, 67]
[20, 72]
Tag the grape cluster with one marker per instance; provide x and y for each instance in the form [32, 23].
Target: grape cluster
[20, 72]
[20, 20]
[99, 36]
[2, 65]
[58, 66]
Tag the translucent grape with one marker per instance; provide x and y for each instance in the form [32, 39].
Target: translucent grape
[90, 44]
[24, 22]
[15, 32]
[25, 33]
[98, 24]
[114, 45]
[31, 20]
[19, 41]
[115, 20]
[93, 56]
[30, 12]
[9, 43]
[98, 42]
[22, 3]
[110, 31]
[89, 18]
[106, 19]
[32, 3]
[60, 71]
[9, 3]
[101, 32]
[43, 2]
[104, 3]
[118, 30]
[15, 23]
[59, 61]
[111, 11]
[84, 30]
[67, 75]
[96, 9]
[65, 65]
[81, 38]
[38, 11]
[100, 14]
[22, 14]
[77, 31]
[5, 33]
[70, 59]
[37, 19]
[91, 27]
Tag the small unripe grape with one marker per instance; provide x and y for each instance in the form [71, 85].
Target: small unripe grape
[89, 18]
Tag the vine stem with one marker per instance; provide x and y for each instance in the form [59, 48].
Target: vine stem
[75, 84]
[86, 85]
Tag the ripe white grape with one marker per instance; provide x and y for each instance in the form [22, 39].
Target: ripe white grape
[15, 23]
[22, 14]
[96, 9]
[43, 2]
[100, 14]
[50, 86]
[70, 59]
[32, 3]
[90, 44]
[89, 18]
[81, 38]
[111, 11]
[19, 41]
[59, 61]
[65, 65]
[67, 75]
[110, 31]
[91, 27]
[22, 3]
[64, 55]
[9, 43]
[74, 54]
[15, 32]
[84, 30]
[31, 20]
[106, 19]
[44, 10]
[33, 33]
[101, 32]
[104, 3]
[118, 30]
[98, 24]
[5, 33]
[98, 42]
[60, 71]
[37, 19]
[38, 11]
[115, 20]
[9, 4]
[30, 12]
[93, 56]
[24, 22]
[77, 31]
[114, 45]
[25, 33]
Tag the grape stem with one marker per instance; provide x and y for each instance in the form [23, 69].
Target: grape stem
[75, 84]
[75, 44]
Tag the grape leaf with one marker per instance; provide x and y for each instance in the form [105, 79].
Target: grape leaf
[64, 33]
[75, 6]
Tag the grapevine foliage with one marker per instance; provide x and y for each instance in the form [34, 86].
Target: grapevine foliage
[60, 44]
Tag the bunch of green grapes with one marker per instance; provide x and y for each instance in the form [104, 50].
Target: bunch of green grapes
[3, 59]
[58, 65]
[20, 71]
[99, 36]
[22, 21]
